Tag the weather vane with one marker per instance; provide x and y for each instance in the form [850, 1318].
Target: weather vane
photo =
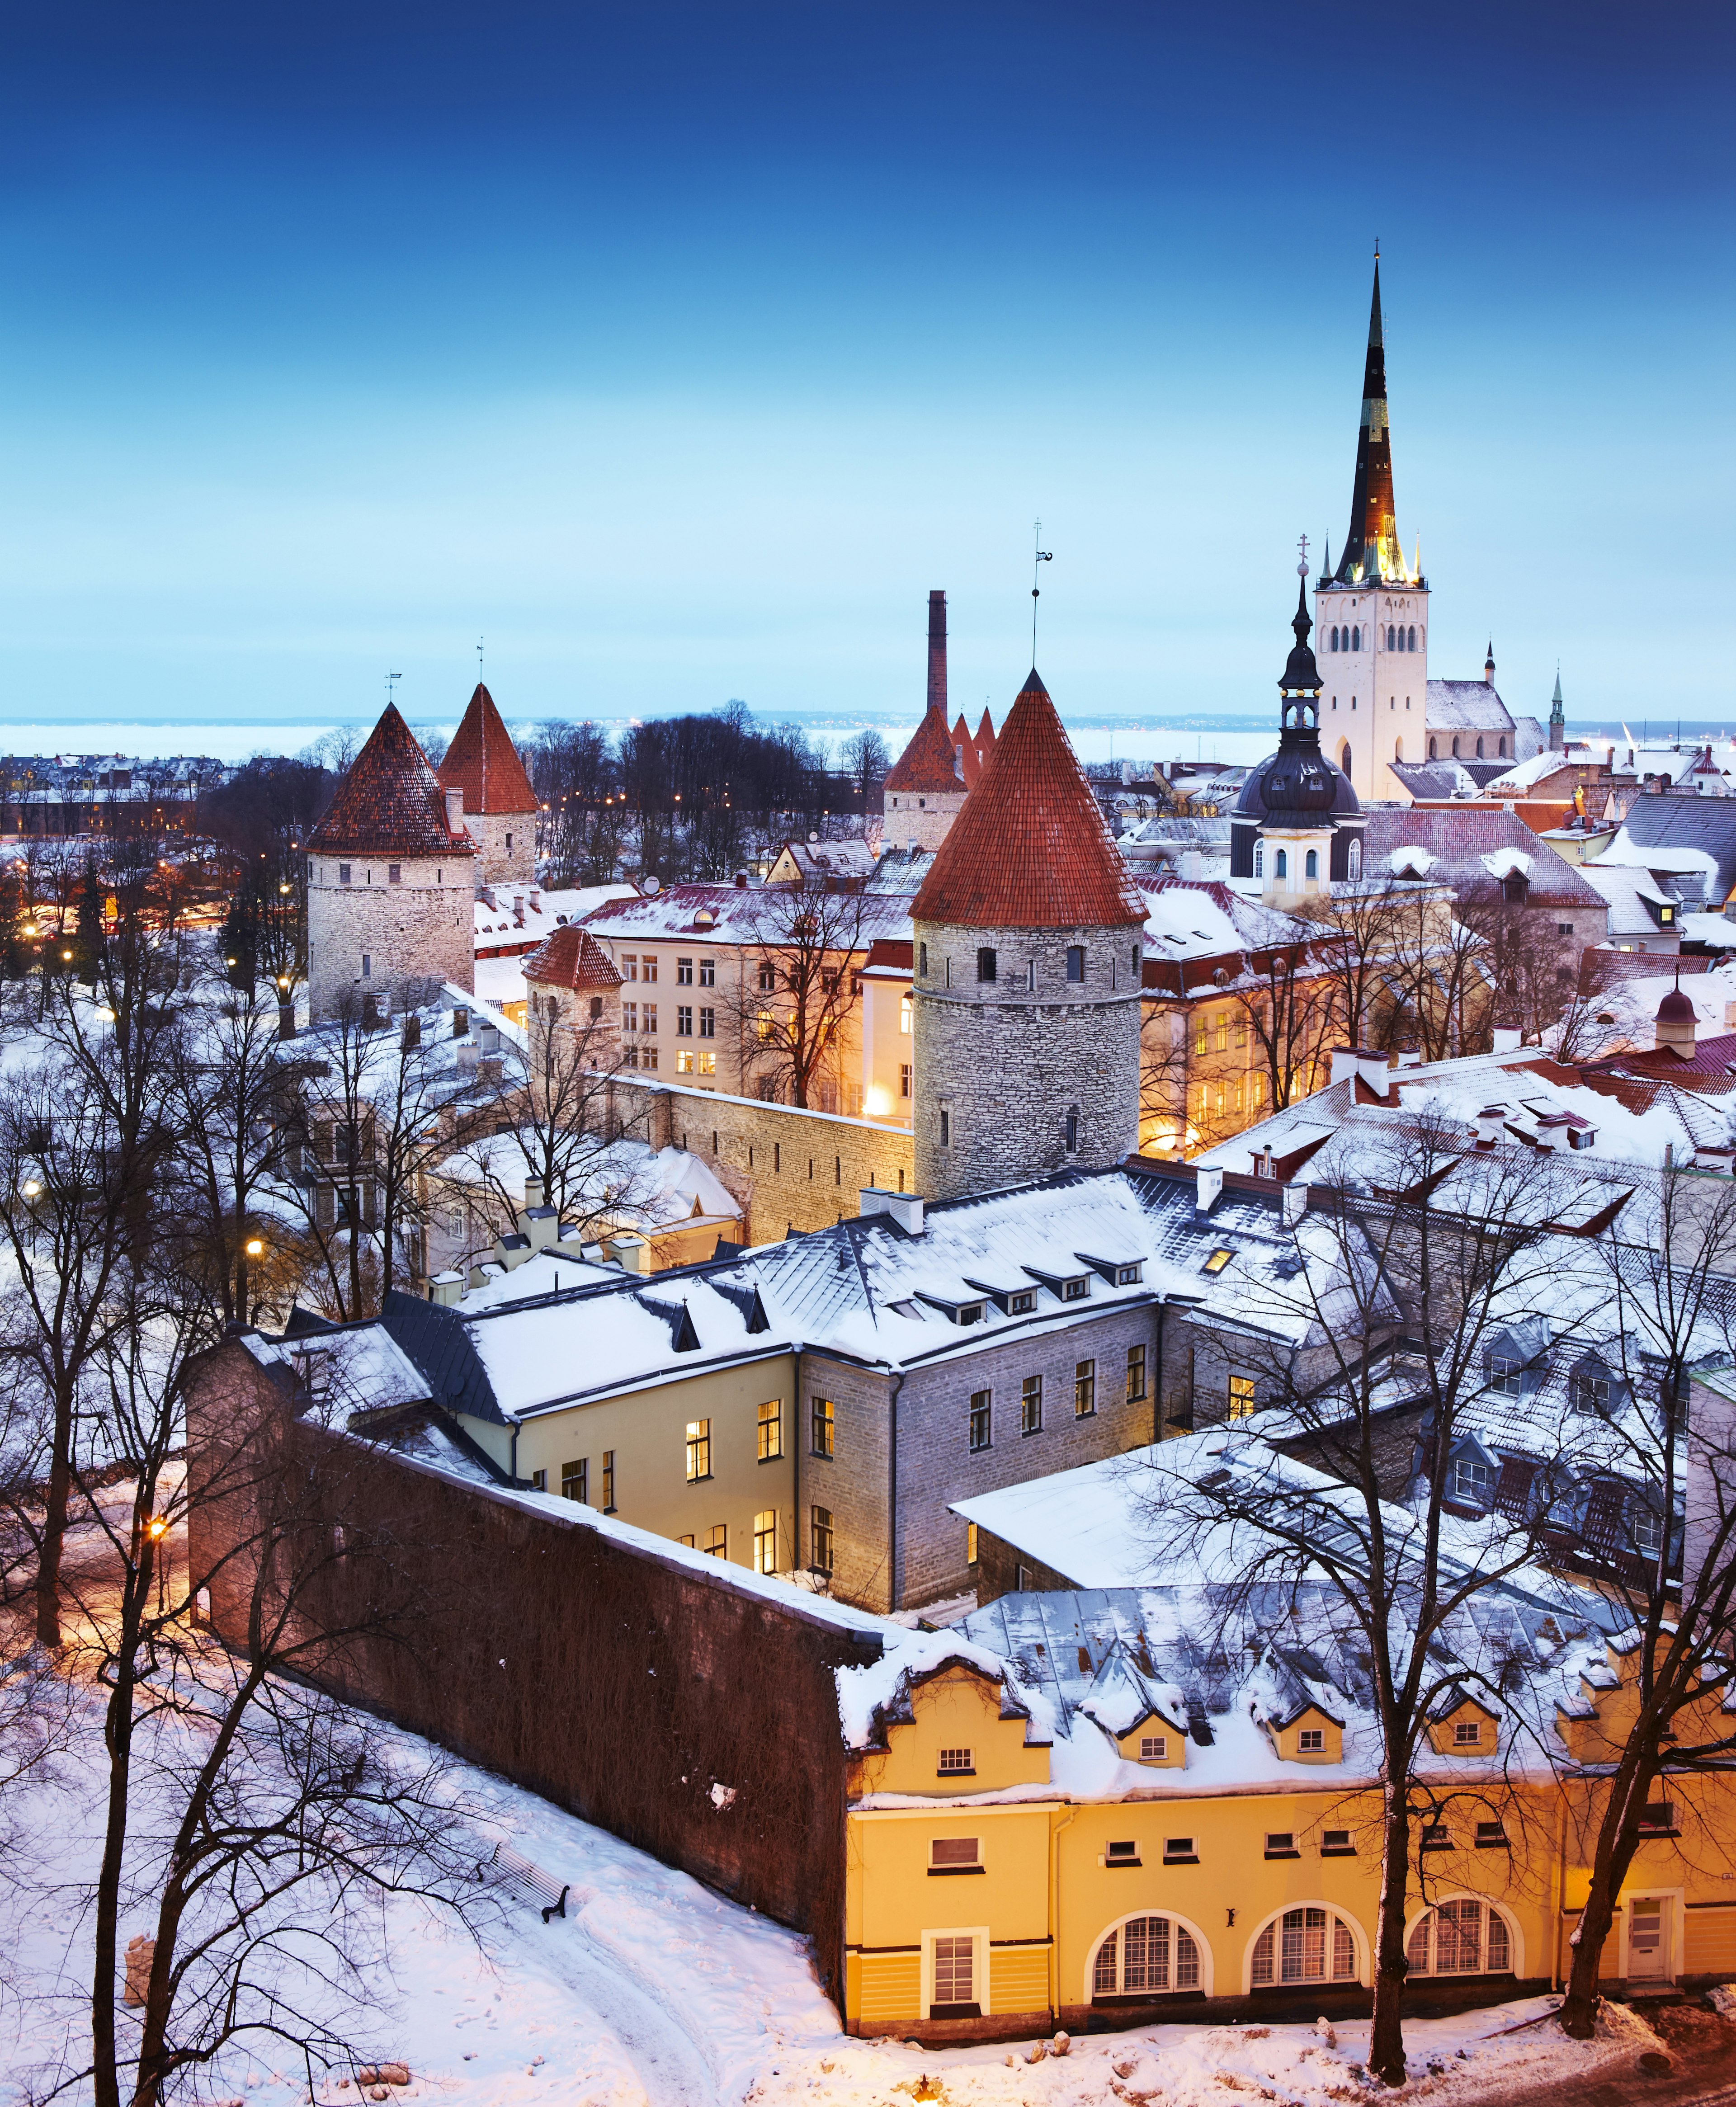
[1041, 556]
[392, 681]
[479, 659]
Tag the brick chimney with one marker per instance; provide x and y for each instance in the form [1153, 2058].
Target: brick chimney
[938, 652]
[454, 811]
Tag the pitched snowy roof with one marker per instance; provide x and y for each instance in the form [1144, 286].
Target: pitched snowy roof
[1466, 706]
[1460, 845]
[928, 762]
[483, 761]
[1030, 850]
[390, 802]
[571, 957]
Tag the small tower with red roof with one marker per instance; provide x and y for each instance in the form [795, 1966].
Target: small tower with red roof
[926, 786]
[574, 1006]
[1029, 952]
[391, 883]
[500, 806]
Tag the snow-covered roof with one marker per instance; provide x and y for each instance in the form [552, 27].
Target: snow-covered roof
[1465, 706]
[729, 915]
[522, 915]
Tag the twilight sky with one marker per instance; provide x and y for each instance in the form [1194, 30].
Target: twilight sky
[680, 349]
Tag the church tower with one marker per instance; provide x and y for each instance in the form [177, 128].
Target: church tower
[1371, 613]
[1029, 937]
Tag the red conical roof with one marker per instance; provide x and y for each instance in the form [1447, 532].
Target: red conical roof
[483, 761]
[927, 762]
[391, 802]
[571, 957]
[1030, 849]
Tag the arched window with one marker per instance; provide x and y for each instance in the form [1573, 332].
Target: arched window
[1434, 749]
[1398, 749]
[1501, 746]
[1311, 867]
[1344, 760]
[1333, 644]
[1411, 645]
[1466, 1937]
[1281, 868]
[1354, 859]
[1259, 859]
[1307, 1945]
[1389, 637]
[1455, 746]
[1479, 746]
[1146, 1956]
[1355, 638]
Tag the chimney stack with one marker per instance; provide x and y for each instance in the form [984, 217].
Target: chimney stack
[454, 811]
[938, 652]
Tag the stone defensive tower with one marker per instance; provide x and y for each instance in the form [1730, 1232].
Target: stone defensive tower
[926, 786]
[391, 880]
[1029, 952]
[500, 806]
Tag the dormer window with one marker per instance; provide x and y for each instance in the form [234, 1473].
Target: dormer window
[1075, 1291]
[1468, 1733]
[1022, 1303]
[1129, 1276]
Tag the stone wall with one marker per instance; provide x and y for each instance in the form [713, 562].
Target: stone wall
[789, 1169]
[505, 848]
[420, 930]
[1004, 1060]
[924, 817]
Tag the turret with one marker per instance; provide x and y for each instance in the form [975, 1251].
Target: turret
[499, 806]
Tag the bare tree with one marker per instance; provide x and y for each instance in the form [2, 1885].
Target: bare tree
[1380, 1265]
[1290, 1006]
[865, 759]
[798, 985]
[1440, 982]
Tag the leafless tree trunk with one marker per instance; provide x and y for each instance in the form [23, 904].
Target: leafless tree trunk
[800, 987]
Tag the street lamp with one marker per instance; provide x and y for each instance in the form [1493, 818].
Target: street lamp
[255, 1248]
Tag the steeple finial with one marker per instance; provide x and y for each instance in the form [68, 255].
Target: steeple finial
[1371, 551]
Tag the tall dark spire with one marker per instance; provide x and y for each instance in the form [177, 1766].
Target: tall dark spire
[1300, 785]
[1371, 550]
[1558, 718]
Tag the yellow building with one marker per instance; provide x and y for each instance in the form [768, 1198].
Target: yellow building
[1105, 1808]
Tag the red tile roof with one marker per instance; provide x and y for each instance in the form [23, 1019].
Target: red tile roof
[571, 957]
[1030, 849]
[928, 762]
[390, 802]
[483, 761]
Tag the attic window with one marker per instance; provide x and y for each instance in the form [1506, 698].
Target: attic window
[1153, 1748]
[956, 1762]
[1311, 1741]
[1075, 1291]
[971, 1313]
[1022, 1303]
[1129, 1276]
[1468, 1733]
[1217, 1261]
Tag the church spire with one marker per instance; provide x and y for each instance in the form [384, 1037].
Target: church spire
[1371, 550]
[1558, 718]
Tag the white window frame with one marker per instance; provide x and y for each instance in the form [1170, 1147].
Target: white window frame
[978, 1933]
[1184, 1923]
[1359, 1938]
[1515, 1931]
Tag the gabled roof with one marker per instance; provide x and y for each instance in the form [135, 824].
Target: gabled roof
[1458, 844]
[1030, 850]
[928, 762]
[571, 957]
[1465, 706]
[390, 802]
[483, 761]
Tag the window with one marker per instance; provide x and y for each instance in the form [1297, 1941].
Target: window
[630, 1016]
[1311, 1741]
[953, 1761]
[698, 1449]
[684, 972]
[707, 972]
[979, 1419]
[1492, 1836]
[539, 1481]
[1281, 866]
[1336, 1844]
[922, 960]
[629, 966]
[718, 1540]
[1076, 962]
[1136, 1374]
[708, 1024]
[1462, 1938]
[1472, 1482]
[823, 1426]
[1646, 1531]
[946, 1127]
[1203, 1037]
[820, 1539]
[1259, 859]
[1146, 1955]
[955, 1977]
[1311, 866]
[770, 1430]
[683, 1021]
[765, 1541]
[1072, 1129]
[986, 963]
[572, 1477]
[1505, 1375]
[1153, 1748]
[763, 1026]
[647, 1056]
[343, 873]
[394, 874]
[1468, 1733]
[904, 1079]
[650, 1017]
[1242, 1400]
[1435, 1837]
[608, 1481]
[1178, 1851]
[1085, 1389]
[1658, 1819]
[1031, 1406]
[1281, 1843]
[1305, 1946]
[1075, 1290]
[648, 963]
[1022, 1303]
[1217, 1261]
[367, 967]
[1354, 859]
[1588, 1392]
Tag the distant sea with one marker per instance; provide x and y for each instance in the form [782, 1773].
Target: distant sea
[1233, 739]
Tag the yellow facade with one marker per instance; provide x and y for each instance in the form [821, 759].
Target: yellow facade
[984, 1900]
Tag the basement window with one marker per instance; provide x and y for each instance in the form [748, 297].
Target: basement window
[1125, 1853]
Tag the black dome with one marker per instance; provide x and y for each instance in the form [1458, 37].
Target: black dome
[1296, 784]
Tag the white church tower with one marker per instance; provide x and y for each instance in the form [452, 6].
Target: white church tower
[1371, 615]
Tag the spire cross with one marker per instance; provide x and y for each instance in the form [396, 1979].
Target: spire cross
[1301, 549]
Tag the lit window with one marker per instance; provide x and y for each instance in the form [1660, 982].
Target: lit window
[1242, 1400]
[683, 1061]
[1146, 1956]
[1462, 1938]
[823, 1426]
[1031, 1406]
[770, 1431]
[765, 1541]
[707, 1064]
[608, 1481]
[1217, 1261]
[718, 1540]
[698, 1449]
[904, 1079]
[1085, 1389]
[904, 1014]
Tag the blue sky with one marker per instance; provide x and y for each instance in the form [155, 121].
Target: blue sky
[680, 350]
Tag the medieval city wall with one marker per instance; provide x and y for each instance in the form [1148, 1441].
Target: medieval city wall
[421, 929]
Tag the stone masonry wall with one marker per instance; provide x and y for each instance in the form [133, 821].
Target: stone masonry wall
[496, 863]
[924, 817]
[421, 929]
[789, 1168]
[1006, 1061]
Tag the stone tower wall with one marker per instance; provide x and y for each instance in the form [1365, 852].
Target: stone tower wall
[1004, 1060]
[1373, 699]
[497, 863]
[420, 929]
[922, 816]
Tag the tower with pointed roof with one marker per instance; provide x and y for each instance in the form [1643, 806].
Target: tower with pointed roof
[391, 885]
[1028, 963]
[1558, 718]
[1371, 613]
[926, 786]
[500, 806]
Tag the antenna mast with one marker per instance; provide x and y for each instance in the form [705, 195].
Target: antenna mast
[1041, 555]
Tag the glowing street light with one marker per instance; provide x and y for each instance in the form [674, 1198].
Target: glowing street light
[255, 1248]
[32, 1187]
